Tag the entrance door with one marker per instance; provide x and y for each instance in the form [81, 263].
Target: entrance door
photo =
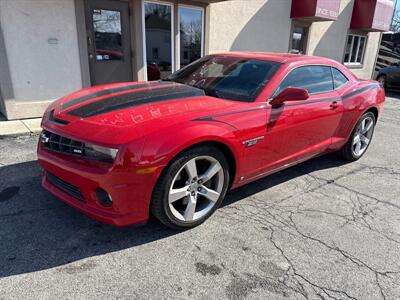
[109, 43]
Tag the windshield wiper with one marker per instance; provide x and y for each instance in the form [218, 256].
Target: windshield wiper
[208, 92]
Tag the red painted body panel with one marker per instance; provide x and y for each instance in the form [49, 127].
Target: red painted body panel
[149, 136]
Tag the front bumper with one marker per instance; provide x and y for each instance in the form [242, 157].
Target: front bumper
[130, 192]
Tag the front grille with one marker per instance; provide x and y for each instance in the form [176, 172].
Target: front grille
[65, 186]
[58, 143]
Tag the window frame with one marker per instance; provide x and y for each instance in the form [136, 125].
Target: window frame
[178, 46]
[274, 94]
[360, 36]
[172, 6]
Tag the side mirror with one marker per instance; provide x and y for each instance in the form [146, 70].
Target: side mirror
[290, 94]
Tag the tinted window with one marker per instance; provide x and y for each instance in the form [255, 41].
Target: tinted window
[315, 79]
[339, 79]
[227, 77]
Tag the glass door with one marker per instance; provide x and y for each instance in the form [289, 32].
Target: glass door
[109, 41]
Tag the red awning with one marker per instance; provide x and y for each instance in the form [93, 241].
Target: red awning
[315, 10]
[372, 15]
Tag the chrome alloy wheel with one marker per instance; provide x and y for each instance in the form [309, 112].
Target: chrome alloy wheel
[196, 188]
[363, 136]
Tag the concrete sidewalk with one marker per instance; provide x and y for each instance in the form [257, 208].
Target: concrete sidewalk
[20, 127]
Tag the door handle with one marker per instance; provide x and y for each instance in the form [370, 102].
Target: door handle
[334, 105]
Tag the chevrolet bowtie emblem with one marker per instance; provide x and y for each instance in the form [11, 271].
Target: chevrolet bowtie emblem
[44, 138]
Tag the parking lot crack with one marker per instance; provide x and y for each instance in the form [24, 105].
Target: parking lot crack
[345, 254]
[326, 290]
[379, 286]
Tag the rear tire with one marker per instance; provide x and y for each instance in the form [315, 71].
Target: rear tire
[360, 138]
[191, 188]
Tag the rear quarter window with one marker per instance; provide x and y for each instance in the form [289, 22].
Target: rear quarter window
[339, 79]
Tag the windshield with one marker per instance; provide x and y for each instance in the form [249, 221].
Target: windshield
[228, 77]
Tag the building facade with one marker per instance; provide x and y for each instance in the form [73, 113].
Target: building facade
[50, 48]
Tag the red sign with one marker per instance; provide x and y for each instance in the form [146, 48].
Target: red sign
[315, 10]
[372, 15]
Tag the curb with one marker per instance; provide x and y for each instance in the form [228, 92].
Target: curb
[17, 128]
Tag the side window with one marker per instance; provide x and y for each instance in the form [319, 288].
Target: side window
[315, 79]
[339, 79]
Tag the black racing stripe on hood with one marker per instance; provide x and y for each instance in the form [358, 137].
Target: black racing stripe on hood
[136, 99]
[113, 91]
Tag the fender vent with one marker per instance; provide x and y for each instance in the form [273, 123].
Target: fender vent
[57, 120]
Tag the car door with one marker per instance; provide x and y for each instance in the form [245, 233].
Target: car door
[298, 130]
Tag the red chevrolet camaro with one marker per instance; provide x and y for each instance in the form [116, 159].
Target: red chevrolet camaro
[173, 148]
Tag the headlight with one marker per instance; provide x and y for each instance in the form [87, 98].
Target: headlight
[100, 153]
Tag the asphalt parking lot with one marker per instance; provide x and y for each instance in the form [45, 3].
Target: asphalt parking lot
[321, 230]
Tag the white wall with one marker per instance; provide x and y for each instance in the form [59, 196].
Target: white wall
[256, 25]
[328, 38]
[39, 70]
[265, 25]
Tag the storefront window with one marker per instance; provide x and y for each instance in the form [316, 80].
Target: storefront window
[355, 48]
[191, 34]
[158, 29]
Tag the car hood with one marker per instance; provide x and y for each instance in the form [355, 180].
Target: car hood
[119, 113]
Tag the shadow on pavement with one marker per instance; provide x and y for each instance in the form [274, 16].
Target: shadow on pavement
[38, 232]
[393, 94]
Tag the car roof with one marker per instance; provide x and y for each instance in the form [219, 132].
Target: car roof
[278, 57]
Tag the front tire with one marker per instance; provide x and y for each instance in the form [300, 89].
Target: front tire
[191, 187]
[360, 138]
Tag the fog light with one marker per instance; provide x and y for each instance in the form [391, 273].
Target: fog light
[103, 197]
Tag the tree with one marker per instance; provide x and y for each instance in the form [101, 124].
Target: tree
[396, 21]
[163, 11]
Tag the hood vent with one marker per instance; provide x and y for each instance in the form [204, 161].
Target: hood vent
[57, 120]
